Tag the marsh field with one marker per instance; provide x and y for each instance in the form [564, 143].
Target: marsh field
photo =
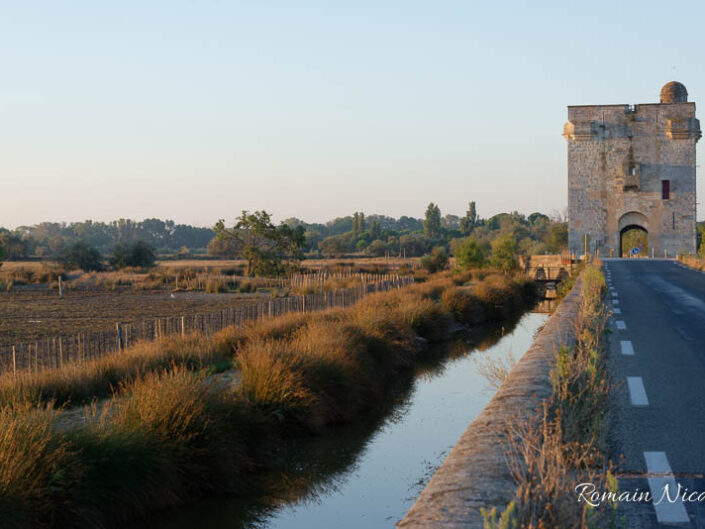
[31, 309]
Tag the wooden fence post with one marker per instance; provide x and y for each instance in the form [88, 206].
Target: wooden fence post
[118, 337]
[94, 345]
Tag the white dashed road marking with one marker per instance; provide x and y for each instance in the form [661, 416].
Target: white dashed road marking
[617, 310]
[666, 511]
[637, 392]
[627, 347]
[621, 325]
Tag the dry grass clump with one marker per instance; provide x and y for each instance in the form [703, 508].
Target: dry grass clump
[327, 370]
[33, 462]
[38, 273]
[167, 437]
[400, 316]
[102, 280]
[496, 298]
[344, 369]
[196, 424]
[465, 306]
[433, 288]
[495, 370]
[500, 296]
[229, 339]
[546, 469]
[273, 379]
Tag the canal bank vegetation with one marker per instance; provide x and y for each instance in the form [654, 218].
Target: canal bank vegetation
[201, 415]
[566, 444]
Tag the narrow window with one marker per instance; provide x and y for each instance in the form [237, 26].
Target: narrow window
[665, 189]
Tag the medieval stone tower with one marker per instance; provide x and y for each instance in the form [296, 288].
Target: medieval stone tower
[633, 167]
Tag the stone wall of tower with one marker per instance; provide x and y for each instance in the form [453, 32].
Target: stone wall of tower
[618, 156]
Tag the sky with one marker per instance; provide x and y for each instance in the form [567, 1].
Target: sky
[195, 111]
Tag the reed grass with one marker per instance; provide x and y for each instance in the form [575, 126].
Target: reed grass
[566, 443]
[168, 432]
[76, 384]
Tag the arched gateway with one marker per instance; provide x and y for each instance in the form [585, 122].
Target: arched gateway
[633, 234]
[631, 175]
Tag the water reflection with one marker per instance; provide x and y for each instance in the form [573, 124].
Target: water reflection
[368, 473]
[547, 306]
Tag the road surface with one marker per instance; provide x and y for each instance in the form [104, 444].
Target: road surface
[657, 357]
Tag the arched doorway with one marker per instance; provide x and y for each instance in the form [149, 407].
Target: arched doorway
[633, 234]
[633, 241]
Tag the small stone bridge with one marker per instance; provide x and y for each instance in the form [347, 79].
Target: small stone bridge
[547, 268]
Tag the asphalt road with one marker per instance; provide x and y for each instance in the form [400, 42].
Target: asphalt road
[657, 358]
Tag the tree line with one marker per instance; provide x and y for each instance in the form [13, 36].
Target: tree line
[271, 249]
[51, 239]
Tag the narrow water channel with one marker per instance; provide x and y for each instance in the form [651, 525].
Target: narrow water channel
[368, 474]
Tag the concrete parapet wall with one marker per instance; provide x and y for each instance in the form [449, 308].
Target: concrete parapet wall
[475, 473]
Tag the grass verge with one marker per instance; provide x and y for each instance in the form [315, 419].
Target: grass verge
[565, 444]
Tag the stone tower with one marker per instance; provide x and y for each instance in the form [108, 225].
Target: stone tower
[633, 167]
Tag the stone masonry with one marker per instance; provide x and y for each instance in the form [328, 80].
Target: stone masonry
[633, 166]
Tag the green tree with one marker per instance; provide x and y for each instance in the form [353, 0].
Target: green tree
[334, 246]
[374, 230]
[412, 245]
[360, 223]
[436, 260]
[82, 255]
[556, 238]
[355, 225]
[469, 221]
[503, 253]
[261, 243]
[432, 222]
[138, 254]
[223, 247]
[292, 242]
[377, 248]
[120, 256]
[469, 253]
[537, 217]
[142, 255]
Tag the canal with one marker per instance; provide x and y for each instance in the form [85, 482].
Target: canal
[368, 473]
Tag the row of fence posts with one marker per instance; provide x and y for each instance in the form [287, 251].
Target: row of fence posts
[55, 352]
[321, 276]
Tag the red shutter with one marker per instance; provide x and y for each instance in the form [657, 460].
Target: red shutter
[665, 189]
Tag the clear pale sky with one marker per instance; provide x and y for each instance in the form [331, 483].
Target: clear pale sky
[196, 110]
